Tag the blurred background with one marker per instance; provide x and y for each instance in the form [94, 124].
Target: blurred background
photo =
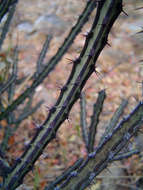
[120, 72]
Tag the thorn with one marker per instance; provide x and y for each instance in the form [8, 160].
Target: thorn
[115, 163]
[139, 33]
[59, 86]
[75, 61]
[92, 154]
[64, 88]
[107, 43]
[88, 34]
[36, 126]
[85, 34]
[108, 170]
[92, 176]
[40, 127]
[138, 8]
[69, 122]
[48, 108]
[32, 169]
[18, 160]
[73, 174]
[125, 13]
[67, 118]
[71, 60]
[98, 74]
[51, 109]
[27, 144]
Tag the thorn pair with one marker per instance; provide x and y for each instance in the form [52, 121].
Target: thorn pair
[124, 12]
[75, 61]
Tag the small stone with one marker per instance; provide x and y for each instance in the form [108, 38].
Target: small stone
[25, 26]
[50, 24]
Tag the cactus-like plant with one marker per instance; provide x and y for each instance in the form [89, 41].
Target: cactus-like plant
[82, 173]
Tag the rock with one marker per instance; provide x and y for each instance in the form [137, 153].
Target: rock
[25, 26]
[50, 24]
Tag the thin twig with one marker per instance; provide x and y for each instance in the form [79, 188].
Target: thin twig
[7, 23]
[115, 118]
[27, 113]
[4, 167]
[43, 54]
[83, 121]
[122, 156]
[66, 173]
[6, 85]
[97, 109]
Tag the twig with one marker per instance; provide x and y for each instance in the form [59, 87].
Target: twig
[6, 26]
[115, 118]
[42, 55]
[6, 85]
[122, 156]
[65, 174]
[29, 112]
[83, 121]
[11, 90]
[4, 167]
[97, 109]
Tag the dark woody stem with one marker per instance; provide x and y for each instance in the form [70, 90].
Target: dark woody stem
[107, 13]
[39, 77]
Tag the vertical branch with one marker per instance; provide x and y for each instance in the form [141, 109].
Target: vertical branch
[97, 109]
[83, 121]
[6, 26]
[27, 112]
[7, 135]
[6, 85]
[11, 91]
[42, 55]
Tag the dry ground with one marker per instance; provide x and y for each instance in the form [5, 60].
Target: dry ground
[119, 69]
